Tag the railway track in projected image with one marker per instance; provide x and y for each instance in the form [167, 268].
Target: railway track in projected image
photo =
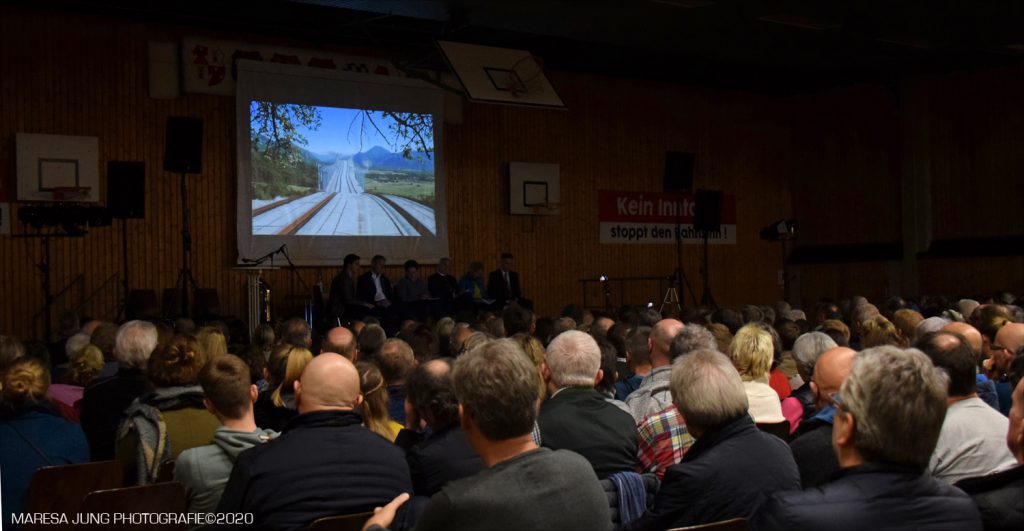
[342, 208]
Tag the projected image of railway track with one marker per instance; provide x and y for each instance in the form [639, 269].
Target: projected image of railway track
[343, 208]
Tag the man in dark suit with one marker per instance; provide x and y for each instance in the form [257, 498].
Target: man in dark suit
[503, 285]
[342, 302]
[576, 416]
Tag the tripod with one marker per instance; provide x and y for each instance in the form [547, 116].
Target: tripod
[679, 279]
[185, 278]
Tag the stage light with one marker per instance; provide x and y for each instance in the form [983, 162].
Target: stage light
[603, 278]
[783, 229]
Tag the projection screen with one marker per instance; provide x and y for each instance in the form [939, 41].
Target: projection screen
[331, 163]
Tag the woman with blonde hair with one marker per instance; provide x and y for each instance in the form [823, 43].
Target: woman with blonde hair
[535, 351]
[375, 402]
[877, 331]
[32, 434]
[212, 342]
[83, 366]
[276, 406]
[752, 352]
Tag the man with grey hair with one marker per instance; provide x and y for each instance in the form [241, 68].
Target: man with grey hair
[931, 324]
[105, 399]
[806, 350]
[522, 486]
[733, 466]
[576, 416]
[889, 412]
[653, 394]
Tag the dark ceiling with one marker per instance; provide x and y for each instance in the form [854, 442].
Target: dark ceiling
[773, 46]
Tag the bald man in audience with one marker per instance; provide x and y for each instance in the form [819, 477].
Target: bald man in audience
[341, 340]
[986, 387]
[654, 393]
[812, 448]
[324, 464]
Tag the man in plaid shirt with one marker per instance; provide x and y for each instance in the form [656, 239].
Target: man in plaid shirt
[663, 441]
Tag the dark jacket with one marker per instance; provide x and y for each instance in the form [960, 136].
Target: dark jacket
[366, 290]
[805, 395]
[872, 496]
[324, 464]
[726, 474]
[29, 440]
[342, 295]
[999, 497]
[271, 417]
[103, 402]
[581, 420]
[497, 290]
[812, 451]
[442, 287]
[438, 458]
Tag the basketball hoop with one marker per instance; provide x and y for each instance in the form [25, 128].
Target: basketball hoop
[71, 193]
[525, 76]
[545, 209]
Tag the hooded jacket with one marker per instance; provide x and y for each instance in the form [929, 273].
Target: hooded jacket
[204, 470]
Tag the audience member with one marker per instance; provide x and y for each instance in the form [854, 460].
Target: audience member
[440, 453]
[838, 331]
[576, 416]
[799, 406]
[276, 406]
[370, 341]
[172, 418]
[972, 441]
[32, 433]
[722, 336]
[422, 340]
[517, 320]
[296, 332]
[535, 351]
[752, 351]
[324, 464]
[523, 486]
[609, 374]
[212, 342]
[906, 321]
[888, 416]
[812, 448]
[931, 324]
[396, 361]
[443, 329]
[375, 402]
[83, 366]
[1008, 340]
[733, 466]
[654, 394]
[105, 338]
[105, 399]
[1000, 496]
[663, 438]
[230, 393]
[340, 340]
[638, 360]
[986, 387]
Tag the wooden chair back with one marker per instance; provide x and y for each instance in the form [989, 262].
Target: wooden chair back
[734, 524]
[61, 489]
[778, 429]
[168, 497]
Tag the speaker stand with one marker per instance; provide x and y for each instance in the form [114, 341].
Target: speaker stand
[185, 278]
[122, 311]
[707, 299]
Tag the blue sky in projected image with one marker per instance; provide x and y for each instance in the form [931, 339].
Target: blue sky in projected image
[340, 131]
